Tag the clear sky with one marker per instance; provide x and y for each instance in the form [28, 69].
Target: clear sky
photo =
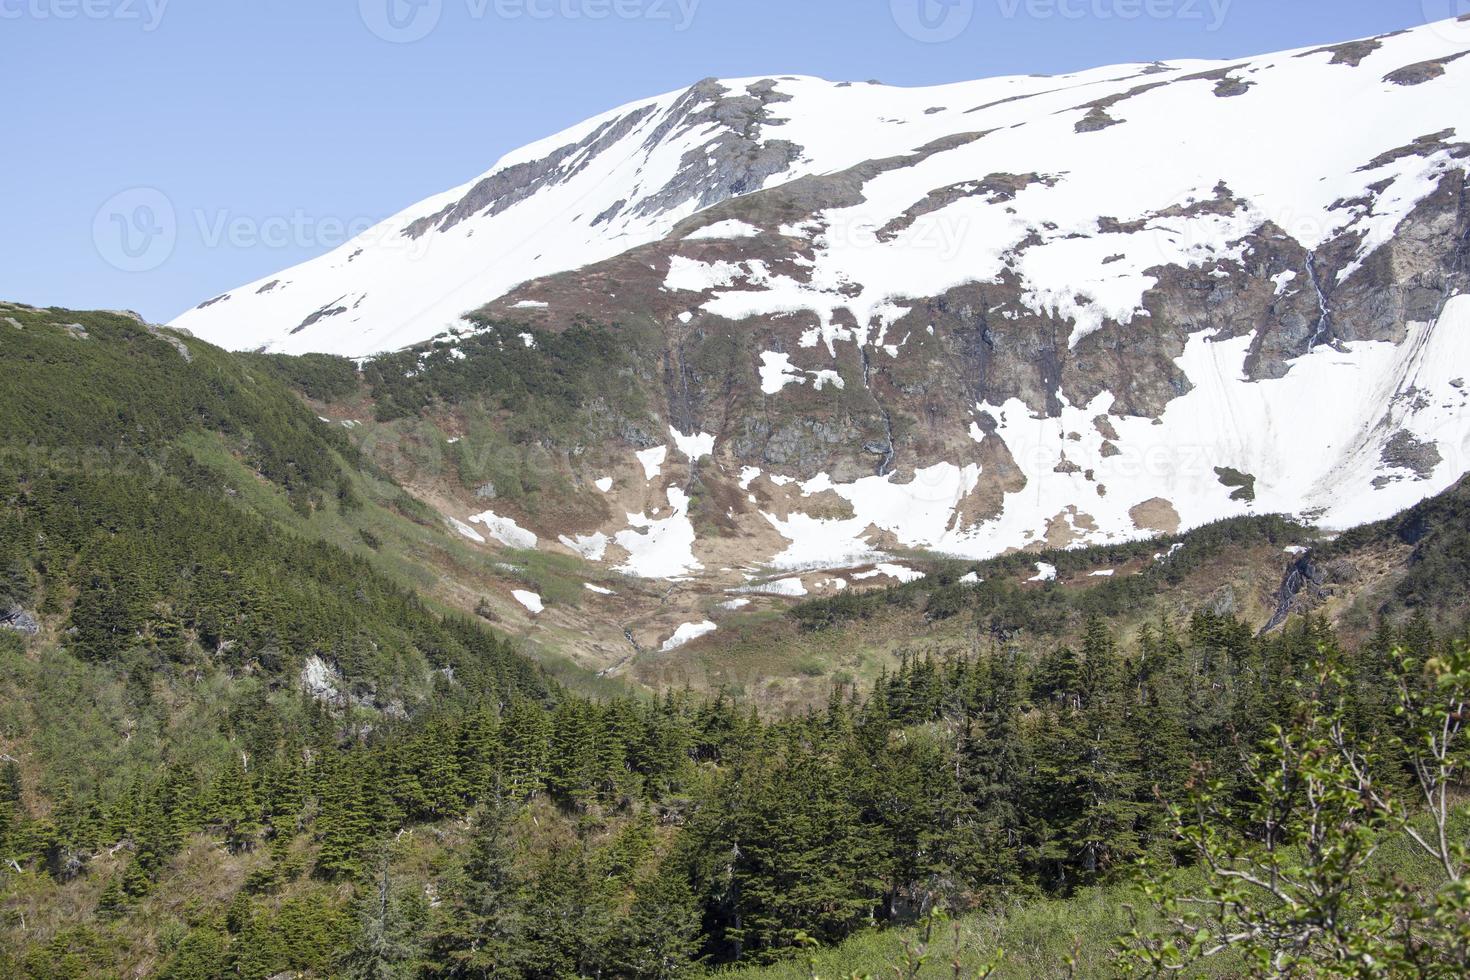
[271, 128]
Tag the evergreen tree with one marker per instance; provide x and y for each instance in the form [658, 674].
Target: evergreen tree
[527, 748]
[389, 923]
[1105, 826]
[113, 902]
[202, 955]
[992, 771]
[659, 937]
[344, 826]
[479, 931]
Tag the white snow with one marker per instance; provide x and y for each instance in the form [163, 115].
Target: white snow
[1044, 573]
[1103, 573]
[918, 512]
[901, 572]
[653, 460]
[466, 530]
[505, 530]
[824, 378]
[660, 548]
[597, 588]
[1282, 280]
[686, 634]
[724, 229]
[1174, 145]
[776, 372]
[694, 276]
[971, 578]
[530, 304]
[734, 604]
[789, 587]
[589, 546]
[529, 340]
[695, 447]
[605, 484]
[530, 600]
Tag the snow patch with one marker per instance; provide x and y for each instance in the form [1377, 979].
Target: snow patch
[1044, 573]
[653, 461]
[693, 276]
[790, 587]
[467, 531]
[660, 548]
[776, 372]
[733, 228]
[687, 634]
[505, 530]
[530, 600]
[589, 546]
[696, 446]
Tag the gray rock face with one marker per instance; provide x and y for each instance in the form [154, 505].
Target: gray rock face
[17, 620]
[1421, 72]
[173, 341]
[736, 162]
[1302, 587]
[513, 184]
[982, 342]
[1405, 452]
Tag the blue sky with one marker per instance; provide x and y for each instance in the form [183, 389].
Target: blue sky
[272, 128]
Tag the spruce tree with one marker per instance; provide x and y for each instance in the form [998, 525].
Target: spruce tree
[659, 937]
[344, 826]
[389, 921]
[479, 930]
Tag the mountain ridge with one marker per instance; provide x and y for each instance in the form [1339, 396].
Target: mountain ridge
[735, 113]
[1030, 319]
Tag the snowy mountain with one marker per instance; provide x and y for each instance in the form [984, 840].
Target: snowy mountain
[999, 314]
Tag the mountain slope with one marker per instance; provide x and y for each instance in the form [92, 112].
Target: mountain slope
[769, 334]
[1129, 142]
